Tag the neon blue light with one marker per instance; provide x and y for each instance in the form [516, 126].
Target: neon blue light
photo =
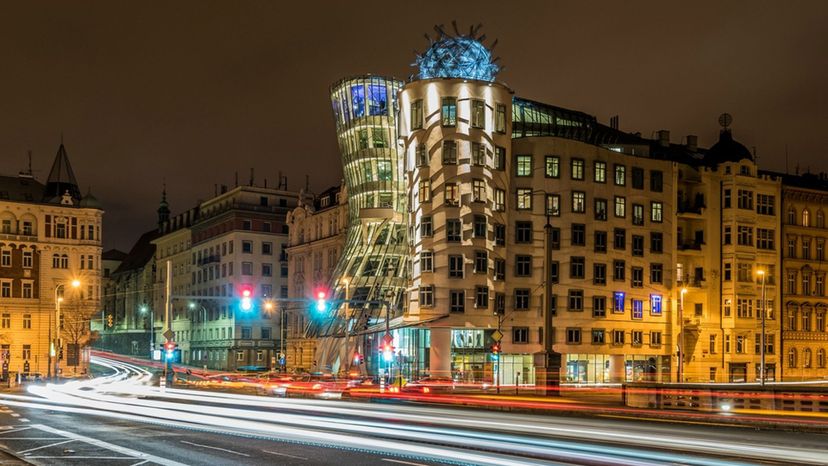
[457, 57]
[358, 100]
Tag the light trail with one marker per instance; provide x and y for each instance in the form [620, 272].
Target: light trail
[423, 432]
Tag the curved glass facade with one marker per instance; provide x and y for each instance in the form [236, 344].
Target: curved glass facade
[373, 268]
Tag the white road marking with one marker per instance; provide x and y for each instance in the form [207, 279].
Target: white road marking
[23, 419]
[214, 448]
[84, 457]
[403, 462]
[14, 430]
[15, 415]
[45, 446]
[33, 438]
[284, 454]
[136, 464]
[109, 446]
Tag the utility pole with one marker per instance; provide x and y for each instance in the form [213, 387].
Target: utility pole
[764, 315]
[167, 309]
[548, 360]
[681, 337]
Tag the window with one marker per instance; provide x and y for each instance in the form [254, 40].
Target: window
[765, 204]
[457, 301]
[500, 234]
[417, 114]
[599, 306]
[478, 152]
[806, 218]
[424, 193]
[499, 200]
[455, 266]
[638, 245]
[599, 274]
[5, 322]
[426, 261]
[451, 194]
[820, 251]
[427, 296]
[638, 214]
[500, 303]
[600, 209]
[745, 199]
[791, 282]
[617, 337]
[27, 290]
[27, 352]
[806, 248]
[247, 225]
[523, 165]
[449, 111]
[600, 241]
[727, 235]
[573, 336]
[578, 234]
[744, 308]
[267, 270]
[618, 270]
[27, 321]
[637, 309]
[453, 230]
[478, 113]
[500, 158]
[247, 247]
[744, 272]
[553, 205]
[656, 211]
[655, 339]
[27, 259]
[656, 273]
[637, 277]
[618, 302]
[426, 229]
[575, 300]
[619, 238]
[577, 266]
[620, 206]
[637, 178]
[5, 289]
[247, 268]
[577, 167]
[5, 258]
[552, 167]
[620, 175]
[555, 238]
[500, 118]
[523, 232]
[520, 335]
[524, 198]
[765, 238]
[637, 337]
[499, 269]
[656, 181]
[792, 358]
[655, 304]
[598, 336]
[744, 235]
[578, 202]
[727, 197]
[449, 152]
[792, 248]
[523, 266]
[480, 226]
[599, 172]
[481, 297]
[522, 298]
[656, 242]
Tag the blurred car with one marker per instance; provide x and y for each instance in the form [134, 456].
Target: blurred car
[309, 385]
[431, 384]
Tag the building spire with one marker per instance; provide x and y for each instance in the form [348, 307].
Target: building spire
[61, 177]
[163, 207]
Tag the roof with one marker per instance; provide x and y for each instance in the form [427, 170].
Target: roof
[330, 194]
[21, 188]
[727, 150]
[61, 177]
[141, 253]
[113, 255]
[815, 181]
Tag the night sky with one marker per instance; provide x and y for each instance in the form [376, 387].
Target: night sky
[192, 92]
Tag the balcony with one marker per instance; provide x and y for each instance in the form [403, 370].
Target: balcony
[684, 208]
[690, 245]
[10, 237]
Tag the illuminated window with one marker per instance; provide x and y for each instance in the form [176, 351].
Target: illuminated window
[449, 111]
[524, 198]
[478, 190]
[449, 152]
[577, 168]
[553, 167]
[417, 114]
[600, 172]
[553, 205]
[655, 304]
[523, 165]
[578, 202]
[500, 118]
[499, 200]
[452, 194]
[620, 175]
[478, 151]
[478, 113]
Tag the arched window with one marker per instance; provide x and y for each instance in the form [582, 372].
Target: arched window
[792, 318]
[64, 261]
[55, 261]
[806, 218]
[821, 358]
[792, 358]
[806, 321]
[820, 219]
[791, 216]
[806, 358]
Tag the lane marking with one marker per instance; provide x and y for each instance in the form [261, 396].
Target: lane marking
[136, 464]
[106, 445]
[15, 415]
[390, 460]
[655, 419]
[214, 448]
[285, 454]
[13, 430]
[84, 457]
[45, 446]
[34, 438]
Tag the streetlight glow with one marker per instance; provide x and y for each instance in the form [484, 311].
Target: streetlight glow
[76, 283]
[269, 305]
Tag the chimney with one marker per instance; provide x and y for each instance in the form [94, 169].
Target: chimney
[692, 142]
[664, 138]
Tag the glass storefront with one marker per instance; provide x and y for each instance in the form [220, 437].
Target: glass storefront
[595, 368]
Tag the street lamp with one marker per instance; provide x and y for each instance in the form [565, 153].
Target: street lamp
[681, 336]
[53, 351]
[761, 273]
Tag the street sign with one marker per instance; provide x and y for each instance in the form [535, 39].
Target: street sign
[497, 335]
[169, 334]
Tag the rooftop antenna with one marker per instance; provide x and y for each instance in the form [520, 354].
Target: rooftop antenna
[725, 119]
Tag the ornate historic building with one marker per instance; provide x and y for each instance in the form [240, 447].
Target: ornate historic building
[50, 251]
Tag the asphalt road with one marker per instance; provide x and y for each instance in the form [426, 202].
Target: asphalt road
[120, 420]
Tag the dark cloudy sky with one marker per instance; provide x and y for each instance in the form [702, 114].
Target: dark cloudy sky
[193, 91]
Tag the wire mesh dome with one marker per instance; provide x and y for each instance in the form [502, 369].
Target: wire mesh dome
[457, 57]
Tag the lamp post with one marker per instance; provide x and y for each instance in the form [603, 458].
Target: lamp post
[143, 309]
[681, 336]
[53, 352]
[762, 344]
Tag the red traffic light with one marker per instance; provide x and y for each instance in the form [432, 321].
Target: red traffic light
[496, 348]
[169, 346]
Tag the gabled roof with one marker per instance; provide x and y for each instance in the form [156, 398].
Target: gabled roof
[113, 255]
[140, 254]
[61, 178]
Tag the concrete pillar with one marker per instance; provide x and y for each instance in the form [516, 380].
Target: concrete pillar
[439, 364]
[617, 370]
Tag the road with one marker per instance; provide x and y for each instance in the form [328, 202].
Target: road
[119, 419]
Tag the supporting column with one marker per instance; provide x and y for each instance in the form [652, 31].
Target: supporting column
[617, 368]
[439, 364]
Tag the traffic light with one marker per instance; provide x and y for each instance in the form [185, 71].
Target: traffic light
[169, 350]
[321, 301]
[387, 348]
[110, 320]
[496, 350]
[357, 358]
[246, 300]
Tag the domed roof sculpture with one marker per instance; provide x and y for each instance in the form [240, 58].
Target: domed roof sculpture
[727, 149]
[458, 56]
